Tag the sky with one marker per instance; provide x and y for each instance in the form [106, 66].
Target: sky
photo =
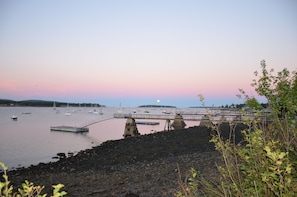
[137, 52]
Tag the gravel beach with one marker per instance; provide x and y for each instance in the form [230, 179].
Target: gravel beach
[146, 165]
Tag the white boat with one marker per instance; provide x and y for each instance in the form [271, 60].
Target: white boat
[26, 112]
[14, 117]
[67, 114]
[94, 111]
[167, 112]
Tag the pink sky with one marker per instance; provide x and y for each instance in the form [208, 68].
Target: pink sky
[138, 52]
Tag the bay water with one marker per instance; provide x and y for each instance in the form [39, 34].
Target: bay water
[29, 140]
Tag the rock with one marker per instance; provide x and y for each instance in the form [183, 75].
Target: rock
[100, 191]
[70, 154]
[61, 155]
[151, 163]
[131, 195]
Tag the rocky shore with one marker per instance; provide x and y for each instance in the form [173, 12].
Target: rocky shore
[147, 165]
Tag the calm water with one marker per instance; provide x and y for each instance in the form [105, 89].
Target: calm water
[29, 140]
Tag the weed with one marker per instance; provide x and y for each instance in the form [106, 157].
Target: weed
[28, 188]
[265, 164]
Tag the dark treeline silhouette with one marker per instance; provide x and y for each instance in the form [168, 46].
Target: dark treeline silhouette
[157, 106]
[42, 103]
[264, 105]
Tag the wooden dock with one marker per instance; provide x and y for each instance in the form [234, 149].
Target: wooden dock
[232, 115]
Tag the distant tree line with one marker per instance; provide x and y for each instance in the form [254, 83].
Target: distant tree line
[239, 106]
[42, 103]
[157, 106]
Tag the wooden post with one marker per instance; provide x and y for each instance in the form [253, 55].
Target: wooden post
[130, 128]
[167, 125]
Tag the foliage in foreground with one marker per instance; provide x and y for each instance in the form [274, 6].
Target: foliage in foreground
[28, 189]
[265, 164]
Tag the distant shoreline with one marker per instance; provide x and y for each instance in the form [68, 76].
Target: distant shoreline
[157, 106]
[44, 103]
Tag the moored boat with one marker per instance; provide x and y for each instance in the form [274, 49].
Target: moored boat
[67, 114]
[14, 117]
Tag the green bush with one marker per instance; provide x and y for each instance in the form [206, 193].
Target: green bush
[265, 164]
[28, 189]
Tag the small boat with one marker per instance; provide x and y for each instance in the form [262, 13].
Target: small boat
[14, 117]
[67, 112]
[166, 112]
[70, 129]
[26, 112]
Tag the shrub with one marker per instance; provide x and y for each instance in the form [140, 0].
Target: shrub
[28, 189]
[265, 164]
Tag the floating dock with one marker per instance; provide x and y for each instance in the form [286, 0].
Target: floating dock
[70, 129]
[147, 123]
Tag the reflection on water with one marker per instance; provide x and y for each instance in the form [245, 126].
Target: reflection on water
[29, 139]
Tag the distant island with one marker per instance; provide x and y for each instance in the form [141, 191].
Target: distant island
[157, 106]
[42, 103]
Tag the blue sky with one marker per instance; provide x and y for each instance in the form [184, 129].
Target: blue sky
[135, 52]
